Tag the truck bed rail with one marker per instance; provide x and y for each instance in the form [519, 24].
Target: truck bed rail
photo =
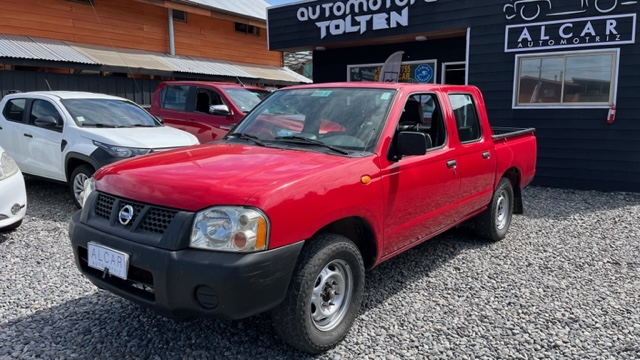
[505, 132]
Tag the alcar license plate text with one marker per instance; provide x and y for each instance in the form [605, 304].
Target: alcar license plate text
[101, 257]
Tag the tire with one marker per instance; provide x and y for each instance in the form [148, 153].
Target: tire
[493, 223]
[329, 269]
[76, 182]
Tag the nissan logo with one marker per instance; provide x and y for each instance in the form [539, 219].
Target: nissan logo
[125, 215]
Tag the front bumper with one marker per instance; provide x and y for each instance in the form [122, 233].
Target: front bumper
[189, 283]
[13, 195]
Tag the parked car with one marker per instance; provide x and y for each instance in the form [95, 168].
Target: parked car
[13, 195]
[66, 136]
[290, 208]
[205, 109]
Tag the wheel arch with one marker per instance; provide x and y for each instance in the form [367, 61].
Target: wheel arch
[358, 230]
[73, 160]
[514, 177]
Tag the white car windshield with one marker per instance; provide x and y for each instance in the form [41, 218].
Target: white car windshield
[108, 113]
[347, 119]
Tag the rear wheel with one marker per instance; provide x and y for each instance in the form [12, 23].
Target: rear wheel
[493, 223]
[324, 295]
[76, 182]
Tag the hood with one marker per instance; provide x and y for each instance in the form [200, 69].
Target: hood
[197, 177]
[141, 137]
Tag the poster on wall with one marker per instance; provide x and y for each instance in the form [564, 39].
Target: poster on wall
[423, 71]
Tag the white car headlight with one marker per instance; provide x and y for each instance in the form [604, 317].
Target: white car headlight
[230, 228]
[8, 166]
[121, 151]
[89, 187]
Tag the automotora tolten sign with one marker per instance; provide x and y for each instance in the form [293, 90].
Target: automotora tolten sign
[591, 31]
[357, 16]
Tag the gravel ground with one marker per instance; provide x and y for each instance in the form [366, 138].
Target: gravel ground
[564, 284]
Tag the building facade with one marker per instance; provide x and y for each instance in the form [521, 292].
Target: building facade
[570, 69]
[125, 47]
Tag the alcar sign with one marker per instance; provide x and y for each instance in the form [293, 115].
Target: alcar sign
[591, 31]
[357, 16]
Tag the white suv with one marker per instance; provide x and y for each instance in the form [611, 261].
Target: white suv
[66, 136]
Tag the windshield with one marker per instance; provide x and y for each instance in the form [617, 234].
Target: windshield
[262, 94]
[348, 118]
[244, 99]
[108, 113]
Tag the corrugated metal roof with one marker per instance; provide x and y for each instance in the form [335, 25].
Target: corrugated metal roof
[251, 8]
[195, 65]
[24, 47]
[273, 73]
[129, 58]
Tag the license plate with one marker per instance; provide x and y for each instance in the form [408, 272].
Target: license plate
[101, 257]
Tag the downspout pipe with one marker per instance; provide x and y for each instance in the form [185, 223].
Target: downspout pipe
[172, 44]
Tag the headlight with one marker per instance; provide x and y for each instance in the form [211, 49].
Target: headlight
[121, 151]
[89, 187]
[230, 228]
[8, 167]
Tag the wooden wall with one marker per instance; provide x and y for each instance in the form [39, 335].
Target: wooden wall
[134, 25]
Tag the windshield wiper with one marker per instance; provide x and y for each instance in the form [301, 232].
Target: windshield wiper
[100, 125]
[143, 125]
[244, 136]
[297, 139]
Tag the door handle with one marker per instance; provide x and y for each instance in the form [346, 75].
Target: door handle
[28, 135]
[451, 164]
[486, 155]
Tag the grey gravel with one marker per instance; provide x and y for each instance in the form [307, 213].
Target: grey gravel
[565, 284]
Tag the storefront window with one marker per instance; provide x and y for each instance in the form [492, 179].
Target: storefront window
[567, 79]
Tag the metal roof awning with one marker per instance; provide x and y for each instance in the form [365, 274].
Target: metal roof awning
[25, 47]
[137, 61]
[123, 58]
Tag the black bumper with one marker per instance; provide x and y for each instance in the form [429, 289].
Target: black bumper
[190, 283]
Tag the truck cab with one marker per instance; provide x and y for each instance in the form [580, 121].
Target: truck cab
[203, 108]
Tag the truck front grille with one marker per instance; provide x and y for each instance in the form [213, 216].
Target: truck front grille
[145, 217]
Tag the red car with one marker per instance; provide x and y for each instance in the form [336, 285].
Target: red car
[315, 185]
[206, 109]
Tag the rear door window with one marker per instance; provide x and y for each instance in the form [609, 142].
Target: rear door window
[14, 110]
[466, 116]
[174, 97]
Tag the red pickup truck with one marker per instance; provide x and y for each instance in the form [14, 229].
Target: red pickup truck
[205, 109]
[318, 183]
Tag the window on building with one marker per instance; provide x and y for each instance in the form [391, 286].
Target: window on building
[582, 78]
[179, 15]
[247, 29]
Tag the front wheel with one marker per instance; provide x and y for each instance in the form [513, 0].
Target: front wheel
[76, 183]
[493, 223]
[324, 295]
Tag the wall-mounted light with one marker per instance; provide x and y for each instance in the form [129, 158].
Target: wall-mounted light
[421, 38]
[321, 48]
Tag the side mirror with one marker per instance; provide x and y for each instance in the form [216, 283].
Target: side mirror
[219, 110]
[46, 121]
[413, 143]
